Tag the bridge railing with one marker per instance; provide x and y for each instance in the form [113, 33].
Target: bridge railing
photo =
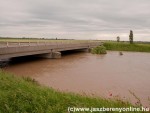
[20, 44]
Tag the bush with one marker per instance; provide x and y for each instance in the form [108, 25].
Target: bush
[99, 50]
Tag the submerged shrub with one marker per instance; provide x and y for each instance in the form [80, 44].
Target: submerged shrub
[99, 50]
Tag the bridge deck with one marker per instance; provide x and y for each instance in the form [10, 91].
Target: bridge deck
[16, 49]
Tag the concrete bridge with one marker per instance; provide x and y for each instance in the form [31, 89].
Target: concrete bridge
[43, 49]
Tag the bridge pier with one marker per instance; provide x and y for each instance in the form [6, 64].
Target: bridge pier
[89, 50]
[54, 55]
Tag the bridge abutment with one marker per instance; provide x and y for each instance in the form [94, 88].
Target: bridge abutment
[4, 62]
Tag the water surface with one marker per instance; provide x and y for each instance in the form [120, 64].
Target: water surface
[99, 75]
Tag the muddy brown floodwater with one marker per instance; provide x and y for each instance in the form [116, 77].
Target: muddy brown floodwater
[99, 75]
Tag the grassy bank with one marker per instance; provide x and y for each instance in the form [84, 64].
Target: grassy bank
[124, 46]
[23, 95]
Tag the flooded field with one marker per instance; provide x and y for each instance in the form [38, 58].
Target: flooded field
[108, 76]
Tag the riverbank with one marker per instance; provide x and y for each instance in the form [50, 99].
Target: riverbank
[125, 46]
[25, 95]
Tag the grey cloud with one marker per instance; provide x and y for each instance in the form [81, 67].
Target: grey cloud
[98, 19]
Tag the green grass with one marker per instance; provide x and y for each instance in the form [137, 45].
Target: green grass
[21, 39]
[124, 46]
[30, 40]
[42, 40]
[24, 95]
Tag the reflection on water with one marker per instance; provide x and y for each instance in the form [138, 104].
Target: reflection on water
[100, 75]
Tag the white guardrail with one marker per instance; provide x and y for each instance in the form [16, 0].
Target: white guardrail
[20, 44]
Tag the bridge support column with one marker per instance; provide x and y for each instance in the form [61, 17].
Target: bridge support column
[88, 50]
[51, 55]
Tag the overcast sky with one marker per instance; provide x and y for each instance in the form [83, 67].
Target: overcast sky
[75, 19]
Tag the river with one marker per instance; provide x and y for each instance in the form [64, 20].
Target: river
[109, 76]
